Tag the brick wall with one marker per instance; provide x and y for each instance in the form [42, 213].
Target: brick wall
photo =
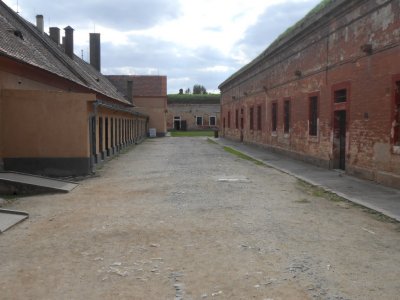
[189, 112]
[350, 44]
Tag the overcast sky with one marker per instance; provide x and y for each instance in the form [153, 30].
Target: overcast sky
[191, 42]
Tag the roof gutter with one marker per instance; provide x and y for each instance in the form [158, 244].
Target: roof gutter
[116, 107]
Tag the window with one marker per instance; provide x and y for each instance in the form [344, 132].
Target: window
[274, 116]
[259, 115]
[223, 123]
[286, 116]
[396, 121]
[229, 119]
[251, 118]
[199, 121]
[313, 116]
[212, 121]
[237, 119]
[340, 96]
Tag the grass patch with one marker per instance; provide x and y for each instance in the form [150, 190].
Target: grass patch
[212, 141]
[321, 193]
[192, 133]
[243, 156]
[8, 199]
[193, 98]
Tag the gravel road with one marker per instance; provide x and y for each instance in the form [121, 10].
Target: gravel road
[180, 218]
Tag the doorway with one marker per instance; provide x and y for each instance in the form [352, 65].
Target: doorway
[177, 123]
[339, 140]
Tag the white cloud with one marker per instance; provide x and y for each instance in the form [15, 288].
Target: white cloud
[190, 41]
[216, 69]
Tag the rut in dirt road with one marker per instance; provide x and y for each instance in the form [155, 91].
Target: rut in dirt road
[180, 218]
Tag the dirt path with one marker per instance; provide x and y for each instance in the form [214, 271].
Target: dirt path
[179, 218]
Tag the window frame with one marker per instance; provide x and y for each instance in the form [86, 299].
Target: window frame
[313, 114]
[338, 98]
[274, 116]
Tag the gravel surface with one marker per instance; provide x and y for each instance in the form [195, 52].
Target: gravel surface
[179, 218]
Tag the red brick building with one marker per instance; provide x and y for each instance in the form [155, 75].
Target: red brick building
[326, 91]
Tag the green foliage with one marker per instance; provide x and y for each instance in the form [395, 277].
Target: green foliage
[243, 156]
[321, 193]
[190, 98]
[212, 141]
[199, 89]
[196, 133]
[312, 12]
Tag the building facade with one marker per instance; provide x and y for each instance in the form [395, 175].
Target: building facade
[148, 94]
[326, 91]
[59, 116]
[193, 113]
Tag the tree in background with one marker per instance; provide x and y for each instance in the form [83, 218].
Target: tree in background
[187, 91]
[180, 91]
[199, 89]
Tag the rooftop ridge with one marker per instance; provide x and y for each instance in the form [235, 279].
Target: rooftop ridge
[78, 68]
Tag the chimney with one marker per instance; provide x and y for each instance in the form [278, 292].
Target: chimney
[69, 41]
[40, 23]
[129, 90]
[55, 34]
[95, 59]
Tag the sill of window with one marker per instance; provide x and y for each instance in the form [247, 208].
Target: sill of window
[286, 135]
[274, 133]
[313, 139]
[396, 149]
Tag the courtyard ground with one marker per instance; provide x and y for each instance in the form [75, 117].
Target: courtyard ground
[180, 218]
